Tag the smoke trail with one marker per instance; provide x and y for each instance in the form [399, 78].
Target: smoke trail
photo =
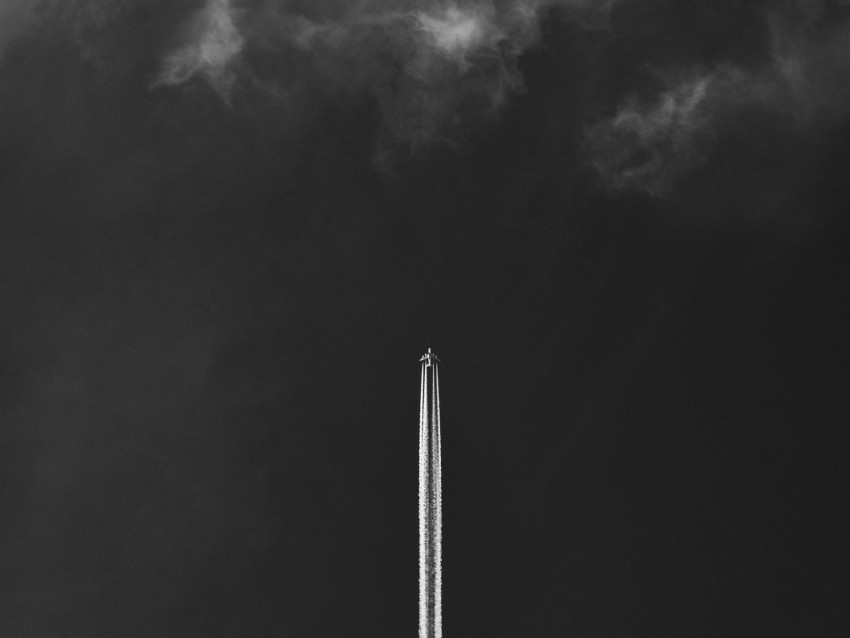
[438, 510]
[423, 503]
[430, 504]
[423, 507]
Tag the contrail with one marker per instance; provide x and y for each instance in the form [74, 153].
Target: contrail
[430, 502]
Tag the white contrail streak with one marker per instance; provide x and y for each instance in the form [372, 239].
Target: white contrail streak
[423, 507]
[430, 503]
[438, 510]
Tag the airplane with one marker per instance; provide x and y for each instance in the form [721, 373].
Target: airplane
[428, 358]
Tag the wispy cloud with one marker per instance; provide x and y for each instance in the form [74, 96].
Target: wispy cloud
[811, 58]
[456, 32]
[432, 66]
[212, 43]
[648, 145]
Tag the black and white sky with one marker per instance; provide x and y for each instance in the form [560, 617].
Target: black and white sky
[230, 228]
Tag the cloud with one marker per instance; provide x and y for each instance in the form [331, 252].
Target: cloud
[433, 68]
[811, 57]
[648, 145]
[455, 31]
[210, 48]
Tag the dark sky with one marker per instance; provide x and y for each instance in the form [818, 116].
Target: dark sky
[228, 230]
